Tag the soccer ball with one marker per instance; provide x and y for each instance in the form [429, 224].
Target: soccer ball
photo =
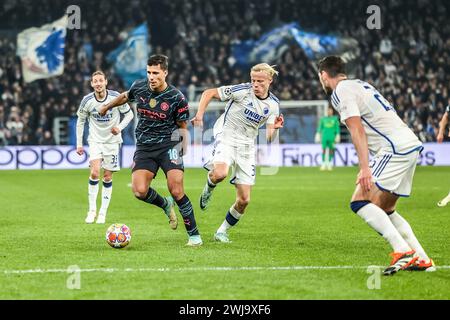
[118, 235]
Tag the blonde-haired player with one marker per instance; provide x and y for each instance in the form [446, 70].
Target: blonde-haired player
[104, 141]
[250, 106]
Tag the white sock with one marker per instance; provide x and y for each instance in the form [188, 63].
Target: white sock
[106, 196]
[226, 224]
[92, 194]
[407, 233]
[375, 217]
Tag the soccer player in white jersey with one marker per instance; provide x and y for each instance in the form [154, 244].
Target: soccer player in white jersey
[440, 137]
[375, 126]
[104, 142]
[250, 106]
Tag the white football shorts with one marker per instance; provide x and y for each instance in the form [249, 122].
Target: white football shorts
[240, 159]
[394, 173]
[108, 152]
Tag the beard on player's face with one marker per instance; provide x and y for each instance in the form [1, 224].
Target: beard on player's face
[326, 88]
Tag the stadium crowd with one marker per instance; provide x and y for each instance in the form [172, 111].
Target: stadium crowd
[408, 59]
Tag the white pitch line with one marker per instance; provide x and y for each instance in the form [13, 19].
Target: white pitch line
[155, 270]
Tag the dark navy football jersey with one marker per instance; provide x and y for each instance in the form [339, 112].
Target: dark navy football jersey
[158, 113]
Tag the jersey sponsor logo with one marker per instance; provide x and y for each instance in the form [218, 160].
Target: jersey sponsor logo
[164, 106]
[183, 109]
[152, 114]
[253, 116]
[152, 103]
[106, 118]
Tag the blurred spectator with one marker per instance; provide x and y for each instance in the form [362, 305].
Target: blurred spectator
[47, 139]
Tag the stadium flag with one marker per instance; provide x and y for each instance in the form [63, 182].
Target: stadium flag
[130, 58]
[42, 50]
[274, 43]
[317, 46]
[268, 48]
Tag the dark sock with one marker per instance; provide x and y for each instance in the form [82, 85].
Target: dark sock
[186, 210]
[154, 198]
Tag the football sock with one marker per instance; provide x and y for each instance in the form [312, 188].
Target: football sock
[231, 219]
[154, 198]
[376, 218]
[210, 184]
[407, 233]
[92, 194]
[106, 196]
[187, 212]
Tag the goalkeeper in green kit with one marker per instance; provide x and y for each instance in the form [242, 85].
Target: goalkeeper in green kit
[328, 132]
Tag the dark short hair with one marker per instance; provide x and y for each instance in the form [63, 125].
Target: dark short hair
[159, 59]
[333, 65]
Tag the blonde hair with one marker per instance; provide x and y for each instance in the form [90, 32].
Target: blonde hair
[264, 67]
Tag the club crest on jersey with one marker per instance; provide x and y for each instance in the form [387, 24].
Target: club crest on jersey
[164, 106]
[266, 111]
[152, 103]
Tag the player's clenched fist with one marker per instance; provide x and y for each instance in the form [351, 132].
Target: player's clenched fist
[115, 131]
[80, 151]
[197, 121]
[279, 122]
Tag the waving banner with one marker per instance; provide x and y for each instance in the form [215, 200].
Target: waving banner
[42, 50]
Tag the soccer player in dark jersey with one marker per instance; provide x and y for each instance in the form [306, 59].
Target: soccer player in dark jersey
[162, 111]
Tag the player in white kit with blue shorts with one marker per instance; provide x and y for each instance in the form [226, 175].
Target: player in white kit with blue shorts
[376, 128]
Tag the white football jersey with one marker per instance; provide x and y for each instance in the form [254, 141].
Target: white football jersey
[244, 114]
[384, 129]
[100, 126]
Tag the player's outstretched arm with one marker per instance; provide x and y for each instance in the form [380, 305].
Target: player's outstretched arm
[120, 100]
[206, 98]
[442, 125]
[359, 140]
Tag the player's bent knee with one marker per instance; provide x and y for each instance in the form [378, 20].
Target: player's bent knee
[177, 193]
[140, 192]
[243, 202]
[219, 176]
[95, 175]
[358, 205]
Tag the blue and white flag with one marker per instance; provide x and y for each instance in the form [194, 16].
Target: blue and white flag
[268, 48]
[130, 58]
[317, 46]
[271, 46]
[42, 50]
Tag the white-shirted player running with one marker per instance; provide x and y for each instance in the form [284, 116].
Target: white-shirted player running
[375, 126]
[250, 106]
[104, 141]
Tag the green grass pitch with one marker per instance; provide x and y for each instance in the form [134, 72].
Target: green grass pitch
[298, 217]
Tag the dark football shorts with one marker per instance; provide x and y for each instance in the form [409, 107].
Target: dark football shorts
[165, 158]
